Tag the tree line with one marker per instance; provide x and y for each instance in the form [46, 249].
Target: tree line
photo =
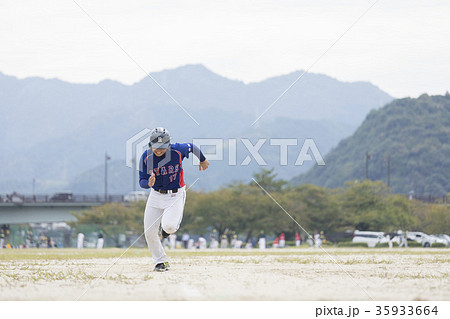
[273, 206]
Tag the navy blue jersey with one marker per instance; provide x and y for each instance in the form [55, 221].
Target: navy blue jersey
[168, 168]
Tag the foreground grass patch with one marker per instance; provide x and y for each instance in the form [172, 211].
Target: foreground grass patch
[71, 253]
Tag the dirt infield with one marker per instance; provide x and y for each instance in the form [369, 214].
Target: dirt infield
[283, 274]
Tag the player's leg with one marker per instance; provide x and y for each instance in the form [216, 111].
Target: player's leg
[152, 219]
[173, 213]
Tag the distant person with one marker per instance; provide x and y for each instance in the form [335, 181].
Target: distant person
[2, 238]
[214, 244]
[323, 239]
[298, 240]
[202, 243]
[262, 240]
[100, 240]
[317, 241]
[28, 239]
[7, 232]
[50, 243]
[44, 240]
[406, 239]
[282, 240]
[213, 234]
[233, 241]
[403, 240]
[310, 241]
[276, 243]
[172, 241]
[224, 241]
[389, 238]
[185, 239]
[165, 242]
[401, 243]
[238, 244]
[80, 240]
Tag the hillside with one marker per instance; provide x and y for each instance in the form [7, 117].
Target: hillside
[58, 132]
[415, 133]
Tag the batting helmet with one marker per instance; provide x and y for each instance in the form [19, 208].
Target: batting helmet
[159, 138]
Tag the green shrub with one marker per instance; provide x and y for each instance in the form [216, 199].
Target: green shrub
[438, 245]
[386, 245]
[351, 244]
[346, 239]
[414, 244]
[328, 243]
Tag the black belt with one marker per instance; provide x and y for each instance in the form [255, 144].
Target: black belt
[167, 191]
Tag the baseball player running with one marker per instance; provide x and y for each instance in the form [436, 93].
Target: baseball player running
[161, 169]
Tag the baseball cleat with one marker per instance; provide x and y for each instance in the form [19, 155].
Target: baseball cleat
[162, 267]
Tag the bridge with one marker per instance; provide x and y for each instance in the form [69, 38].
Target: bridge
[20, 209]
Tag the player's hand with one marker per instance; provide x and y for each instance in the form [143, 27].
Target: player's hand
[203, 165]
[151, 180]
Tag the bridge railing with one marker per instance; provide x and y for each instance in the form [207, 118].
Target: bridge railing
[18, 198]
[95, 198]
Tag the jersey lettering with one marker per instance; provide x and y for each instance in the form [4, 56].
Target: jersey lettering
[167, 169]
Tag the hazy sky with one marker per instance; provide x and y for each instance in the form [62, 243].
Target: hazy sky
[401, 46]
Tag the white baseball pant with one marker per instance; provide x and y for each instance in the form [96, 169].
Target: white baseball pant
[165, 210]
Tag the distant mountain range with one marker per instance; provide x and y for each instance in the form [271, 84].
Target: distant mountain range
[414, 133]
[58, 132]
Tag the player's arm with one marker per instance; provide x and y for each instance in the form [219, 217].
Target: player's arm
[144, 177]
[197, 152]
[203, 161]
[203, 165]
[191, 148]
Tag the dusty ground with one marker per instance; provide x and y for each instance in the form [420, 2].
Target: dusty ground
[283, 274]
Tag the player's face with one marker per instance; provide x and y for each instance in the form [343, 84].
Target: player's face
[159, 151]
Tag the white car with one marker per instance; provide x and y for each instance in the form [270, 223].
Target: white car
[445, 237]
[371, 238]
[424, 239]
[136, 196]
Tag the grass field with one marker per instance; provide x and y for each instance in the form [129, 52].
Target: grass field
[272, 274]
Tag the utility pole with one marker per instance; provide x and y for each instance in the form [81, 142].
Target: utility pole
[34, 189]
[107, 157]
[367, 164]
[389, 171]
